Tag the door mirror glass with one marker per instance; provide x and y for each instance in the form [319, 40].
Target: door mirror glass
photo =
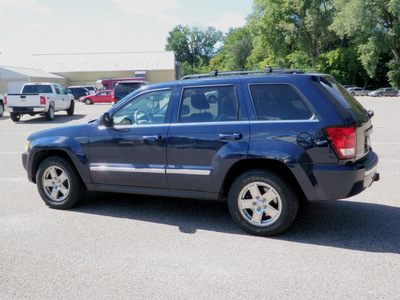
[107, 120]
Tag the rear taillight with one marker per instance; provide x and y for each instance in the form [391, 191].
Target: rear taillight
[5, 100]
[42, 100]
[343, 140]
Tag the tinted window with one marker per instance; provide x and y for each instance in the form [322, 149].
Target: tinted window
[278, 102]
[346, 101]
[209, 104]
[147, 108]
[127, 88]
[34, 89]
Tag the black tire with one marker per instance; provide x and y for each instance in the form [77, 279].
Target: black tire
[15, 117]
[71, 109]
[379, 95]
[1, 109]
[88, 101]
[59, 184]
[353, 94]
[262, 203]
[49, 115]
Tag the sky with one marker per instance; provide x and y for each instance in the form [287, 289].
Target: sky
[81, 26]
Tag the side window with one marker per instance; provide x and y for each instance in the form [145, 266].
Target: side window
[147, 108]
[209, 104]
[63, 92]
[57, 90]
[278, 102]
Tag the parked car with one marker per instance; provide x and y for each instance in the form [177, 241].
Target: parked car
[1, 105]
[92, 90]
[39, 98]
[109, 84]
[357, 91]
[384, 92]
[124, 88]
[270, 140]
[78, 91]
[349, 86]
[99, 97]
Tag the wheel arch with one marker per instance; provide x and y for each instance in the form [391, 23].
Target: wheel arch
[44, 154]
[272, 165]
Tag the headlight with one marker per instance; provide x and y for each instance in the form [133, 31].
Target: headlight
[28, 143]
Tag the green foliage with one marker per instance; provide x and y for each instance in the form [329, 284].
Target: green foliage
[394, 73]
[374, 26]
[288, 26]
[357, 41]
[344, 65]
[235, 51]
[193, 46]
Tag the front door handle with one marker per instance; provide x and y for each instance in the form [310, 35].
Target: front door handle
[151, 137]
[230, 136]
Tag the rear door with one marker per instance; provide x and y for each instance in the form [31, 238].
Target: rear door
[209, 133]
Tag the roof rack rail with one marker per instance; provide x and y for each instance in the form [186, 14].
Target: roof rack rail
[267, 70]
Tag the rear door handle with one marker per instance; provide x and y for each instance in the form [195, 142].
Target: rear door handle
[151, 137]
[230, 136]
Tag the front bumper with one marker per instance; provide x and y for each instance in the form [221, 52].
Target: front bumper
[344, 181]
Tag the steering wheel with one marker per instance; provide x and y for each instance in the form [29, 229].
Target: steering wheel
[139, 114]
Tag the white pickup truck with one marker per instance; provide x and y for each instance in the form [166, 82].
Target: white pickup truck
[39, 98]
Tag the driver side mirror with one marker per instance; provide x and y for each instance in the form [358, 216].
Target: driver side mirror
[107, 120]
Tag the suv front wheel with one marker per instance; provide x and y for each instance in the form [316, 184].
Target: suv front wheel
[262, 203]
[59, 184]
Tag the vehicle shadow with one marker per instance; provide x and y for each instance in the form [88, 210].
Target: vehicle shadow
[340, 224]
[58, 119]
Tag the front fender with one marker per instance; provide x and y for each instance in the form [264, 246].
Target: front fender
[69, 145]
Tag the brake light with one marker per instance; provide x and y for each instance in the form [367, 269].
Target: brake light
[343, 140]
[5, 100]
[42, 100]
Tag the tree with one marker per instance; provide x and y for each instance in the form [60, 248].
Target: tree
[290, 26]
[375, 26]
[234, 53]
[193, 46]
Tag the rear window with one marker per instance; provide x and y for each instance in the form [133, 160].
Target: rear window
[35, 89]
[127, 88]
[278, 102]
[345, 100]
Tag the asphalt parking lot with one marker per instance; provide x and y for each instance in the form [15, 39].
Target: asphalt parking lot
[132, 247]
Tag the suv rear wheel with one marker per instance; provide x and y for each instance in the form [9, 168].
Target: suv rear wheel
[262, 203]
[59, 184]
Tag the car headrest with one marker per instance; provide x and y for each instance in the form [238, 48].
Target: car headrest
[199, 101]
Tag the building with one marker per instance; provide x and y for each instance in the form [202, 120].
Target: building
[87, 68]
[13, 78]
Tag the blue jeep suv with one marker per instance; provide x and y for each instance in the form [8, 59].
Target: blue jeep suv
[262, 141]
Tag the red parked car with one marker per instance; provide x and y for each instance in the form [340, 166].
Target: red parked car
[101, 96]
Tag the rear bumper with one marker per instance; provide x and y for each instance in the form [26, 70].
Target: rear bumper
[26, 110]
[344, 181]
